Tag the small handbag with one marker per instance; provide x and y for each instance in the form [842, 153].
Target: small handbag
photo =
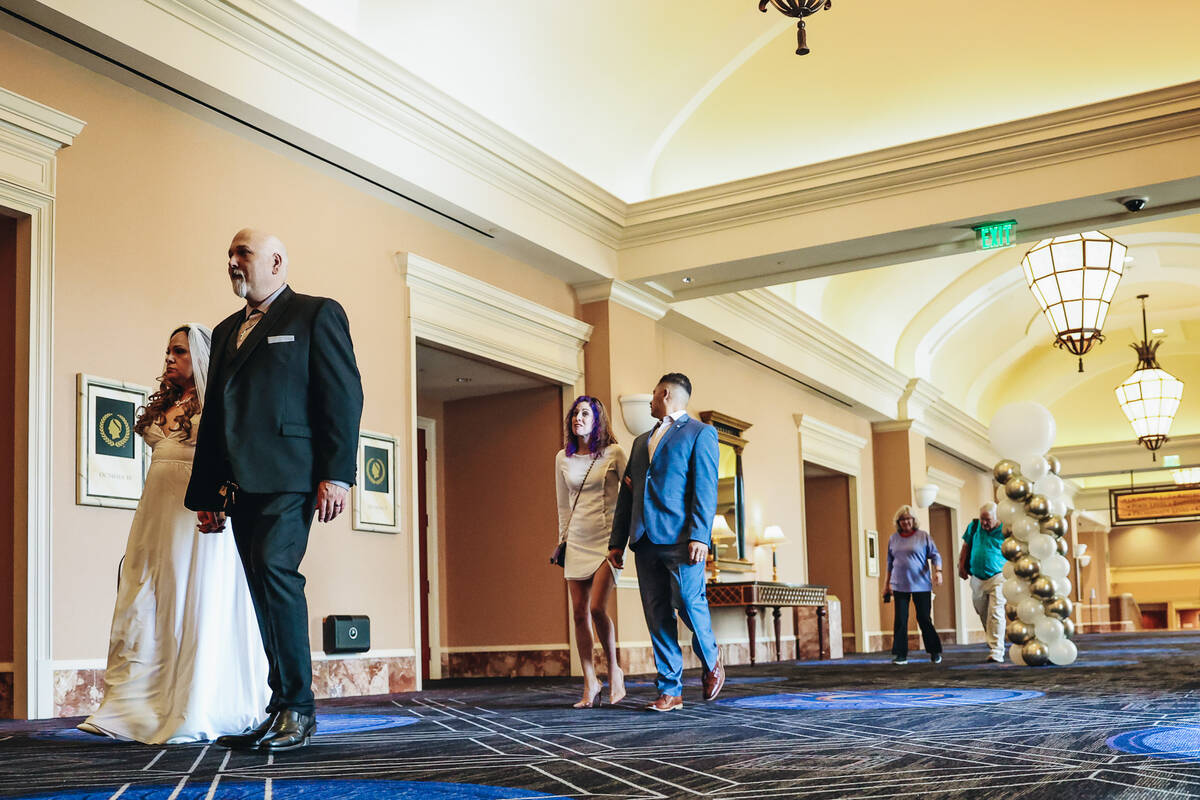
[560, 553]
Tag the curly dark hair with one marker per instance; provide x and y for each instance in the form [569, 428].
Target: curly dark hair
[601, 436]
[168, 394]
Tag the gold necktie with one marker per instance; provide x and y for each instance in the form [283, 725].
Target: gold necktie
[248, 325]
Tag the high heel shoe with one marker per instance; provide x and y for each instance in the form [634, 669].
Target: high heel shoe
[589, 703]
[613, 697]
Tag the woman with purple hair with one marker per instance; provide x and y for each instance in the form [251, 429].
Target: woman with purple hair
[588, 471]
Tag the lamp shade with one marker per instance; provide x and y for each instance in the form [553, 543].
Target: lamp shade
[721, 532]
[635, 412]
[1149, 399]
[1073, 279]
[772, 534]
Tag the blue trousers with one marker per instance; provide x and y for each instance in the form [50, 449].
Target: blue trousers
[670, 585]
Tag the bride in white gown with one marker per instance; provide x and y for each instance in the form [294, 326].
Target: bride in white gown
[185, 659]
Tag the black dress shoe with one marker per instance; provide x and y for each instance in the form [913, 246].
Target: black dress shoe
[250, 739]
[291, 730]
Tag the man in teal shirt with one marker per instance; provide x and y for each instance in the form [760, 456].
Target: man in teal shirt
[983, 564]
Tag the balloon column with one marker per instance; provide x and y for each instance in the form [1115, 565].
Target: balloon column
[1032, 506]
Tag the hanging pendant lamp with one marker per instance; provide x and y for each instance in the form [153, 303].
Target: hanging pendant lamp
[1073, 279]
[1151, 395]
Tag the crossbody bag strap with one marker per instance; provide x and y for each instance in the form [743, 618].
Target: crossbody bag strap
[579, 492]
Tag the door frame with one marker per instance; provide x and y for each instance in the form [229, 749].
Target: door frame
[432, 552]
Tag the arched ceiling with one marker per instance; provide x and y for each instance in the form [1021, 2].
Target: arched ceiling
[649, 98]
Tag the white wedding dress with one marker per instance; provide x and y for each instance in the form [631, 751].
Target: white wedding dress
[185, 659]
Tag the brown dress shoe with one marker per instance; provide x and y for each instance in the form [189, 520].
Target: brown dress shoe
[713, 681]
[666, 702]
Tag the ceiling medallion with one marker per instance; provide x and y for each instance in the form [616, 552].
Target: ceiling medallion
[1151, 395]
[800, 9]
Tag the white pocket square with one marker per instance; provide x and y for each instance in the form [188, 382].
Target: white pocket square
[278, 339]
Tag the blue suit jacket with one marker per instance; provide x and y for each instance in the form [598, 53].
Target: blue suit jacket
[673, 499]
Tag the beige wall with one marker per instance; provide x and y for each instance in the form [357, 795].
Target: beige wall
[8, 293]
[1147, 545]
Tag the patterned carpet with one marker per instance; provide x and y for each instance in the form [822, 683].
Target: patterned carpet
[1124, 721]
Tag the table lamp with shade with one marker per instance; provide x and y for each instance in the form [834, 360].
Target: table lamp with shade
[772, 535]
[721, 534]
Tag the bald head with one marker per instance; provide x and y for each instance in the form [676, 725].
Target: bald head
[257, 264]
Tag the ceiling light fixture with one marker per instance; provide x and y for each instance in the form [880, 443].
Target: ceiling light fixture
[1151, 395]
[1073, 279]
[797, 9]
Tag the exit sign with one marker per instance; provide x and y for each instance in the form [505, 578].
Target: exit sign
[997, 234]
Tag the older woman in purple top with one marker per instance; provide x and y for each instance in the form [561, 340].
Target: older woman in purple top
[910, 551]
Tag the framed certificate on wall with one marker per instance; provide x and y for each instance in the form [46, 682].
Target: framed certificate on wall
[375, 491]
[111, 460]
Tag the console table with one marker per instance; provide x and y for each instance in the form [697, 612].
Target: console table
[752, 594]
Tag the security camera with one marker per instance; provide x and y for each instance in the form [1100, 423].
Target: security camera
[1134, 204]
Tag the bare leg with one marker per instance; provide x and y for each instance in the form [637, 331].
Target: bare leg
[583, 640]
[602, 584]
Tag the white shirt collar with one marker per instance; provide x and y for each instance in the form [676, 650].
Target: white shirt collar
[678, 415]
[265, 304]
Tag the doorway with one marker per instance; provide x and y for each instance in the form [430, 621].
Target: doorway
[8, 462]
[828, 526]
[941, 530]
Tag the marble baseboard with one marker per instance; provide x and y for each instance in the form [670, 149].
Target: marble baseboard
[6, 695]
[506, 664]
[77, 692]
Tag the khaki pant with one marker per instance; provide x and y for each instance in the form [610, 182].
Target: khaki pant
[988, 597]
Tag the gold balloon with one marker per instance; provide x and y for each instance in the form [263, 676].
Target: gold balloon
[1005, 470]
[1010, 611]
[1007, 529]
[1035, 654]
[1061, 544]
[1068, 628]
[1055, 464]
[1027, 567]
[1042, 586]
[1037, 505]
[1012, 549]
[1055, 526]
[1059, 606]
[1019, 632]
[1017, 488]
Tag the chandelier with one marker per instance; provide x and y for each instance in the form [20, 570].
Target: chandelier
[1150, 396]
[1073, 279]
[800, 9]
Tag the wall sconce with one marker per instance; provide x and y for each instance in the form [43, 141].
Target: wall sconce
[635, 412]
[925, 495]
[721, 534]
[1082, 559]
[772, 535]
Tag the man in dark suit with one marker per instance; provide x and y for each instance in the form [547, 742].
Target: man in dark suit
[278, 438]
[666, 506]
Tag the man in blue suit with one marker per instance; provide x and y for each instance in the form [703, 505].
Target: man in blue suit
[665, 511]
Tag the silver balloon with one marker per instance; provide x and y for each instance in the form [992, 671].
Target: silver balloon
[1017, 488]
[1059, 606]
[1042, 587]
[1061, 543]
[1035, 653]
[1012, 549]
[1055, 526]
[1037, 505]
[1068, 628]
[1005, 470]
[1027, 567]
[1010, 611]
[1055, 464]
[1019, 632]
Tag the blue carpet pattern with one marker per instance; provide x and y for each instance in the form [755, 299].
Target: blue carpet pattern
[1123, 722]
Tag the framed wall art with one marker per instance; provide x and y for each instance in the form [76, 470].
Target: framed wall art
[375, 490]
[111, 459]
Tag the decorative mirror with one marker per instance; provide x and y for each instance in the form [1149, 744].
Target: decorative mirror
[731, 491]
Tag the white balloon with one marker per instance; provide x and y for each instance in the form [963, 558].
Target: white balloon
[1009, 511]
[1062, 586]
[1015, 656]
[1050, 485]
[1019, 429]
[1055, 566]
[1025, 527]
[1030, 610]
[1009, 571]
[1041, 546]
[1015, 590]
[1035, 468]
[1062, 652]
[1058, 506]
[1048, 629]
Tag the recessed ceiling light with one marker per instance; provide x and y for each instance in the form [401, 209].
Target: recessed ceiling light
[462, 380]
[686, 279]
[1158, 331]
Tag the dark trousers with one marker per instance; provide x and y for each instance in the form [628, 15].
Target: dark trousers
[271, 531]
[923, 601]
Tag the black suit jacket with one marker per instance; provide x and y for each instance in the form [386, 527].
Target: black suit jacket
[282, 412]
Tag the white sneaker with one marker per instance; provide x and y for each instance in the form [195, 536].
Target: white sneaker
[899, 660]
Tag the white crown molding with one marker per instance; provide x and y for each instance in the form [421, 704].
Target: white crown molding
[1113, 457]
[894, 425]
[623, 294]
[949, 487]
[959, 434]
[829, 445]
[918, 396]
[32, 118]
[450, 308]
